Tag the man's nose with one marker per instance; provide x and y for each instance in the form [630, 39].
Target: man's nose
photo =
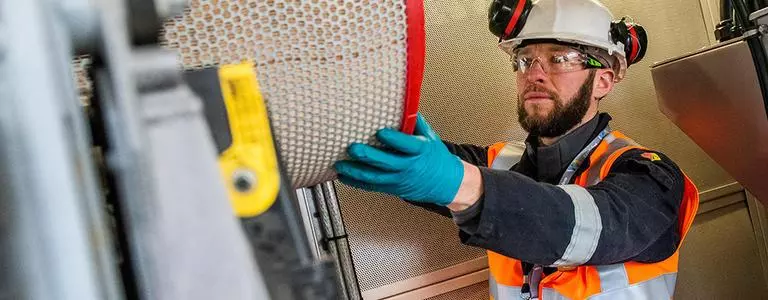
[536, 72]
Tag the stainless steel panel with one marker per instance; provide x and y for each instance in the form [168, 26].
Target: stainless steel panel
[714, 96]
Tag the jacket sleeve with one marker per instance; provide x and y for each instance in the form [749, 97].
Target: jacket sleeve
[630, 215]
[472, 154]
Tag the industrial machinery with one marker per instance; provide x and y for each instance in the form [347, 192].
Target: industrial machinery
[121, 194]
[132, 186]
[166, 180]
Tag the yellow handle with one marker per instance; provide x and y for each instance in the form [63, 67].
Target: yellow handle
[249, 165]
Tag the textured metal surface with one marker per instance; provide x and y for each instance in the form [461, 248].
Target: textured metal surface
[720, 259]
[477, 291]
[469, 97]
[332, 72]
[392, 241]
[720, 83]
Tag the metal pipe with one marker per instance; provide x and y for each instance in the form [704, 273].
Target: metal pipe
[726, 10]
[751, 6]
[742, 15]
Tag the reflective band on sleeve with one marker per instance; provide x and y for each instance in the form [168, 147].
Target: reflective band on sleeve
[586, 230]
[509, 156]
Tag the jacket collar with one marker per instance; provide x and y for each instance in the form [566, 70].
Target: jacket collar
[551, 161]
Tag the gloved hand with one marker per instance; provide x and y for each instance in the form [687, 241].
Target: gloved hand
[415, 167]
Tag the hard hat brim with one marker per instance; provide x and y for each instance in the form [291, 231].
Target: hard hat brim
[509, 46]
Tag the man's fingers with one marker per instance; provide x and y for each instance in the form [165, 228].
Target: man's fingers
[367, 174]
[408, 144]
[379, 158]
[423, 129]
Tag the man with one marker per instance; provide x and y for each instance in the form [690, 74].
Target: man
[584, 212]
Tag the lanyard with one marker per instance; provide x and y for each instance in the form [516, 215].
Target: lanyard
[534, 273]
[576, 163]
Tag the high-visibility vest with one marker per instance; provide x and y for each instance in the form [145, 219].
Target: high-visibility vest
[629, 280]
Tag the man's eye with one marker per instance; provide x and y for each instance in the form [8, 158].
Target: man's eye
[559, 59]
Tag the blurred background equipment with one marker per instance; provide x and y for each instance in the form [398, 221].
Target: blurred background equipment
[119, 197]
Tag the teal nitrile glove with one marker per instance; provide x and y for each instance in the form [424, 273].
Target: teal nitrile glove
[416, 167]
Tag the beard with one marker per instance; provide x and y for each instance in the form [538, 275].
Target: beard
[562, 117]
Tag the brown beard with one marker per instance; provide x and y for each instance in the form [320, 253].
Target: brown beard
[562, 118]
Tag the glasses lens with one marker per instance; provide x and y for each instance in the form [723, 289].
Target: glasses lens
[552, 61]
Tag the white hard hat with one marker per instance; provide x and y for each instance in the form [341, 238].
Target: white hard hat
[582, 22]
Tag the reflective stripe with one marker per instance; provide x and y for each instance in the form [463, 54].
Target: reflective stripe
[551, 294]
[612, 277]
[508, 156]
[503, 292]
[586, 230]
[614, 144]
[662, 287]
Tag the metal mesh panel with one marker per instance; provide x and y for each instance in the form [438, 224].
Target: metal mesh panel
[392, 241]
[477, 291]
[332, 72]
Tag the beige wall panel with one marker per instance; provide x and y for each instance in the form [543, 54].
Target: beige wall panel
[710, 11]
[477, 291]
[720, 258]
[469, 97]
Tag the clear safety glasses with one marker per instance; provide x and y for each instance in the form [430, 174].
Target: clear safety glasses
[554, 61]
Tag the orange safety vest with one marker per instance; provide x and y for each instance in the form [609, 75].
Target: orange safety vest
[629, 280]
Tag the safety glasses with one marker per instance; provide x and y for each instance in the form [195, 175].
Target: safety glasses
[553, 61]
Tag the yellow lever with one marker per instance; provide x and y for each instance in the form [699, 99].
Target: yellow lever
[249, 165]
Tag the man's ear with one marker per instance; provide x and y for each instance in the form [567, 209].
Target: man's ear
[603, 83]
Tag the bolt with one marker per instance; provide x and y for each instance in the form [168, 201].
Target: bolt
[244, 180]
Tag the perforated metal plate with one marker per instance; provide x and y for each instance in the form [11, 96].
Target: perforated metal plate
[332, 72]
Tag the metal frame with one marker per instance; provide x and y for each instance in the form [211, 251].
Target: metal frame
[458, 276]
[759, 217]
[325, 229]
[55, 234]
